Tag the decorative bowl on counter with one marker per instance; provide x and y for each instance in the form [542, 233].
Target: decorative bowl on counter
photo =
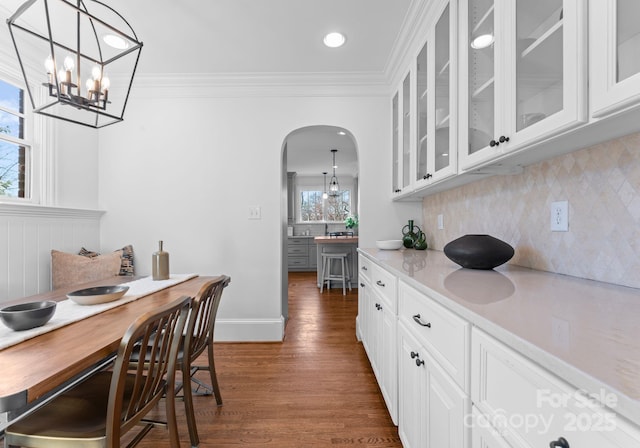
[389, 244]
[25, 316]
[97, 294]
[478, 251]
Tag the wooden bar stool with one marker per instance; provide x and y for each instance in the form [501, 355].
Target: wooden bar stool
[343, 276]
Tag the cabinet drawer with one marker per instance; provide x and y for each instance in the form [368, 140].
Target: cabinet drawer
[442, 332]
[298, 250]
[364, 266]
[298, 241]
[385, 284]
[294, 262]
[531, 407]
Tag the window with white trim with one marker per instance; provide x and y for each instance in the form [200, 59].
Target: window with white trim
[313, 207]
[15, 149]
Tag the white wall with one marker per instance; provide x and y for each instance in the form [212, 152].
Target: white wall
[65, 169]
[188, 162]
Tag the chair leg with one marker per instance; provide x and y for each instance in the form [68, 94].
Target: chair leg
[344, 278]
[212, 373]
[188, 405]
[324, 262]
[172, 424]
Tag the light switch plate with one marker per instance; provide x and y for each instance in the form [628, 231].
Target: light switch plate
[560, 216]
[255, 212]
[440, 222]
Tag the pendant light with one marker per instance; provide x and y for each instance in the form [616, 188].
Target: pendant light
[324, 191]
[334, 186]
[66, 50]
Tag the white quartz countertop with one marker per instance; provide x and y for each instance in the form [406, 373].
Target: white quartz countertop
[584, 331]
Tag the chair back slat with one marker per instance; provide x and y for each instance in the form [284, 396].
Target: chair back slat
[143, 382]
[202, 320]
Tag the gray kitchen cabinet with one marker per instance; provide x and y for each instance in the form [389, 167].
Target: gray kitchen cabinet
[301, 254]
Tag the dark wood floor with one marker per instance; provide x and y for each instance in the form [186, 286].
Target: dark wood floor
[316, 389]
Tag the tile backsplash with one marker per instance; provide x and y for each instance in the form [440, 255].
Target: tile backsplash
[601, 184]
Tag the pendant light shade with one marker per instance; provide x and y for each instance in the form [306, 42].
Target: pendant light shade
[78, 63]
[334, 186]
[324, 191]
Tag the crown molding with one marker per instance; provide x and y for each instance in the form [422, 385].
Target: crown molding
[263, 84]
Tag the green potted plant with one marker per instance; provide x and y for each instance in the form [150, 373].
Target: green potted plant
[351, 221]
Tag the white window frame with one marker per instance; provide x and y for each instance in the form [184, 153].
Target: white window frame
[38, 139]
[311, 184]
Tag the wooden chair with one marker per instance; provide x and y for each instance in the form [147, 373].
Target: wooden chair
[98, 411]
[199, 336]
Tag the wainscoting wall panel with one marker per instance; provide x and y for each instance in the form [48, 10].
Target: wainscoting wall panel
[27, 236]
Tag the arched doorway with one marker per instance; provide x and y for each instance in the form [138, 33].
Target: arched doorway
[306, 155]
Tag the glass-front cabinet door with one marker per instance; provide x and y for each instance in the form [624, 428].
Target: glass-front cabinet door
[401, 134]
[526, 72]
[436, 100]
[395, 145]
[614, 49]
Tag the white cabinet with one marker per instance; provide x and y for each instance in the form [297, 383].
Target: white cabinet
[436, 100]
[614, 50]
[525, 63]
[532, 408]
[402, 122]
[377, 320]
[432, 407]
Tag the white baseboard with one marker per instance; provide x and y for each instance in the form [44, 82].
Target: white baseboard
[249, 330]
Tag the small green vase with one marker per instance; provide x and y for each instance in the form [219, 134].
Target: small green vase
[421, 243]
[410, 234]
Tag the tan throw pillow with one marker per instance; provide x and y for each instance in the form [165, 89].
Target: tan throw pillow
[70, 269]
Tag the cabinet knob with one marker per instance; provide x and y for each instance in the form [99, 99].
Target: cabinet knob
[503, 139]
[364, 268]
[427, 176]
[414, 355]
[419, 321]
[561, 442]
[362, 285]
[419, 362]
[379, 283]
[493, 143]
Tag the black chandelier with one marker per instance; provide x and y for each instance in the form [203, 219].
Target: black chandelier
[334, 186]
[79, 48]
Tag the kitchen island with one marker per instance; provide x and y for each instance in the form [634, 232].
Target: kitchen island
[334, 244]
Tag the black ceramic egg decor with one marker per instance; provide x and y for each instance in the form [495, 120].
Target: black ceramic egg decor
[478, 251]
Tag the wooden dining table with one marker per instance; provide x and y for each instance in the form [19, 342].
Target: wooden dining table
[36, 368]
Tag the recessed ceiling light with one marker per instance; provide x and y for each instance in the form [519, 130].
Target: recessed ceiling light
[482, 41]
[116, 42]
[334, 40]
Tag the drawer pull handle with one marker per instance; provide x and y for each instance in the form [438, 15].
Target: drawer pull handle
[379, 283]
[419, 362]
[362, 285]
[561, 442]
[414, 355]
[378, 306]
[419, 322]
[364, 268]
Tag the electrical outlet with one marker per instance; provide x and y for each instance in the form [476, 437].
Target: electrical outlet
[255, 212]
[560, 216]
[440, 222]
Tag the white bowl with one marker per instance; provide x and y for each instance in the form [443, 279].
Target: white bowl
[389, 244]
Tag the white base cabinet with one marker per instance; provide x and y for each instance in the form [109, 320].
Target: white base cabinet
[533, 408]
[378, 328]
[449, 384]
[432, 407]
